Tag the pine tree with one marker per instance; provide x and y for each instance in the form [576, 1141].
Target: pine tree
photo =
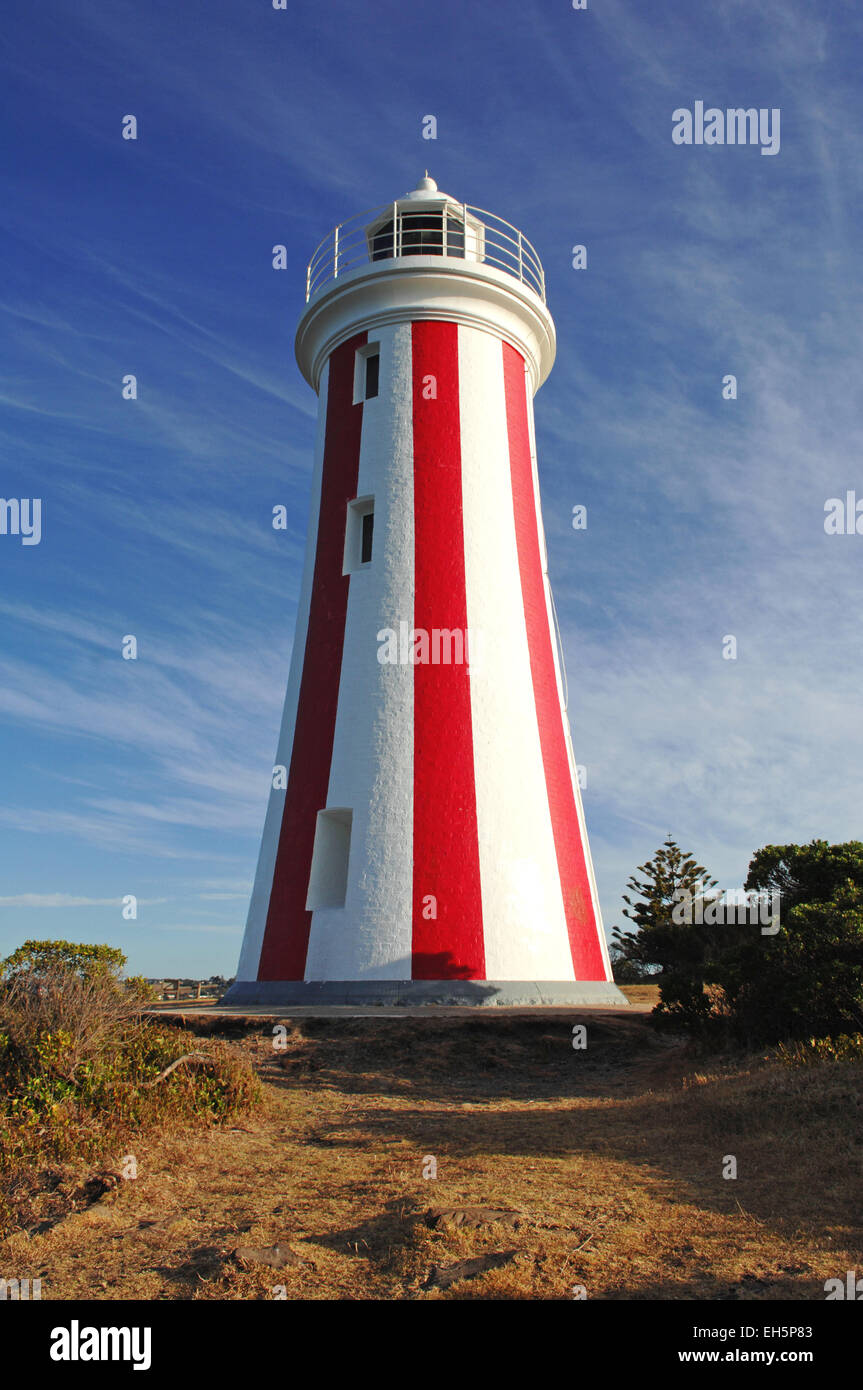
[660, 944]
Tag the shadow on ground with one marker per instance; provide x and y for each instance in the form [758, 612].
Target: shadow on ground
[518, 1087]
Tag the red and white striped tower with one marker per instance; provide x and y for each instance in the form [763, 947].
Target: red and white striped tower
[426, 841]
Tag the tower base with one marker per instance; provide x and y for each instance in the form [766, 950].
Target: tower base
[478, 993]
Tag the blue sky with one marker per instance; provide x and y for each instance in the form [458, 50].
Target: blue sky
[705, 517]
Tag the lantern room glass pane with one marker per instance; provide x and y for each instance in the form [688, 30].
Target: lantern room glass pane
[420, 234]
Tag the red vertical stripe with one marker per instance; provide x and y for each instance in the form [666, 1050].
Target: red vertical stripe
[286, 938]
[446, 844]
[571, 860]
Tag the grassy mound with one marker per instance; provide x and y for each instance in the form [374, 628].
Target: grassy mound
[81, 1073]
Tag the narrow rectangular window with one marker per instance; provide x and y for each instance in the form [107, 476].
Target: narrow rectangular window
[373, 371]
[359, 531]
[367, 372]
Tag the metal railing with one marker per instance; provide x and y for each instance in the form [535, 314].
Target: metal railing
[425, 228]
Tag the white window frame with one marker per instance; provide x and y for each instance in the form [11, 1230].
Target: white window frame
[357, 509]
[361, 356]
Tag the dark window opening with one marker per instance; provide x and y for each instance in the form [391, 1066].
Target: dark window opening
[419, 234]
[373, 372]
[366, 543]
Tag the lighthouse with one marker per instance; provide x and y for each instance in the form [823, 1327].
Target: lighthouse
[425, 839]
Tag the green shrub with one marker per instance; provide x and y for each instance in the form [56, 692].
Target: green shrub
[729, 982]
[81, 1071]
[39, 957]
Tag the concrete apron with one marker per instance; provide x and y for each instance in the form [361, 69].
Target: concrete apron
[474, 993]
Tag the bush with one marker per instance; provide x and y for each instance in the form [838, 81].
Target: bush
[40, 957]
[727, 981]
[53, 1019]
[82, 1069]
[806, 981]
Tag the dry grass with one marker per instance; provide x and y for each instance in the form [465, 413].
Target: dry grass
[641, 994]
[614, 1156]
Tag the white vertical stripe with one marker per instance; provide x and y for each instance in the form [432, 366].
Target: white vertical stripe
[256, 921]
[372, 766]
[524, 921]
[582, 825]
